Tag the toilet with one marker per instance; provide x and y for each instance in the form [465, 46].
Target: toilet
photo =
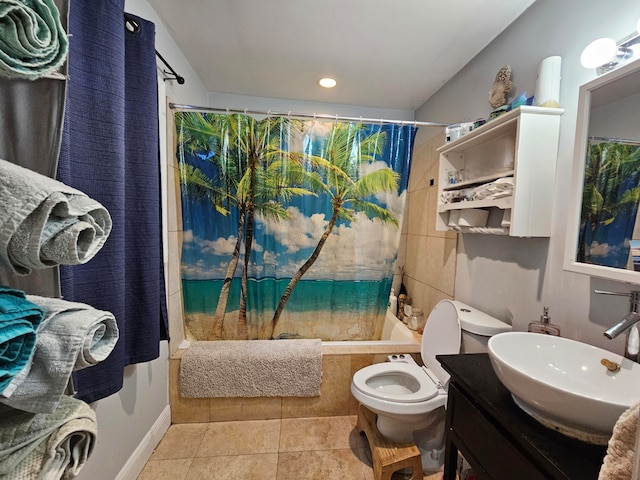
[410, 400]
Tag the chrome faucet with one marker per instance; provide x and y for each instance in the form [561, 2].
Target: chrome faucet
[629, 321]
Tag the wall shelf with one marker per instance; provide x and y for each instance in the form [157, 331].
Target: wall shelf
[522, 143]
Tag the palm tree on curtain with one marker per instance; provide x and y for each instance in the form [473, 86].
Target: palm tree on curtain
[347, 148]
[256, 174]
[609, 167]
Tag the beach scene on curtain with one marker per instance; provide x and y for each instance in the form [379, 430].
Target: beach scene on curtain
[290, 228]
[609, 228]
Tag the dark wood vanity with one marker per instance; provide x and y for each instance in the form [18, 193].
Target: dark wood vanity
[499, 440]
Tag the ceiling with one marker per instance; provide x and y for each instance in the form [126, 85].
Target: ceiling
[383, 53]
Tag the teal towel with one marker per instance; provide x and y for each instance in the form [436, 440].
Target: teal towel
[32, 40]
[19, 320]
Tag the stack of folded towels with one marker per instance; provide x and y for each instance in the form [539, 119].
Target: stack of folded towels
[43, 433]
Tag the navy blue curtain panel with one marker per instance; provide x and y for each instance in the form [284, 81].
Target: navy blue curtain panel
[110, 152]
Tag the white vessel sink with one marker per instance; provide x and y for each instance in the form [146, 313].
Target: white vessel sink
[562, 383]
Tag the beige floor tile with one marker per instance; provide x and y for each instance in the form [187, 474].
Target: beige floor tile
[320, 465]
[166, 469]
[238, 438]
[320, 433]
[180, 441]
[234, 467]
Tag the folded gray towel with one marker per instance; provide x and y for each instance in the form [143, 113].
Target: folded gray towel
[33, 40]
[71, 337]
[252, 368]
[44, 222]
[46, 446]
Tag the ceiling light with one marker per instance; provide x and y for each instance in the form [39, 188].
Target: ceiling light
[327, 82]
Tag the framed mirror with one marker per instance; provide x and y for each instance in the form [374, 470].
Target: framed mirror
[603, 235]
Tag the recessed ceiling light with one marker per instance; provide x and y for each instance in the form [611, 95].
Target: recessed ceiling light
[327, 82]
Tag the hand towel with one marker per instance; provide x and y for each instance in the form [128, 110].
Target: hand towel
[618, 462]
[44, 222]
[46, 446]
[71, 337]
[33, 42]
[19, 320]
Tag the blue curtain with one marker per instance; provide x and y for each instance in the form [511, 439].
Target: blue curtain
[291, 228]
[110, 152]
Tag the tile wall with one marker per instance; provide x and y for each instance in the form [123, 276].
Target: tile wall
[428, 256]
[335, 395]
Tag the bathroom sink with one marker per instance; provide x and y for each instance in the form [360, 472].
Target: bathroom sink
[563, 384]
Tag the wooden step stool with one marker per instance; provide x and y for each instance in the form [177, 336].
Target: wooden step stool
[388, 457]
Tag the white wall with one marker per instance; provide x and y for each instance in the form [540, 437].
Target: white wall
[126, 419]
[513, 278]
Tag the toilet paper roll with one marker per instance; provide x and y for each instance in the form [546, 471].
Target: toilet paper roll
[548, 82]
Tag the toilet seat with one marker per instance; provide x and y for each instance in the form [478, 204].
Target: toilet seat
[395, 382]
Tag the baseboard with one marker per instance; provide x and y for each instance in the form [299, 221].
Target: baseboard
[141, 454]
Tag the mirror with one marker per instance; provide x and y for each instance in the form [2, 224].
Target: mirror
[603, 238]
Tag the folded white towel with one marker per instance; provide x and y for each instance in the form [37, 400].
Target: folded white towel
[71, 337]
[44, 222]
[618, 462]
[46, 446]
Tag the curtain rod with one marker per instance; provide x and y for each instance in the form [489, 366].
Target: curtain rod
[615, 140]
[319, 116]
[132, 25]
[178, 78]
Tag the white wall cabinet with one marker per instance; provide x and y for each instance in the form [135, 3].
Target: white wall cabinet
[519, 147]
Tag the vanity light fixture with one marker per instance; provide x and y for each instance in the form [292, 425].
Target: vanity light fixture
[327, 82]
[605, 54]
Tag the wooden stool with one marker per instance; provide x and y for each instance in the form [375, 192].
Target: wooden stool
[388, 457]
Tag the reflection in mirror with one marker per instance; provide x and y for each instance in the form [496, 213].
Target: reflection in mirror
[604, 232]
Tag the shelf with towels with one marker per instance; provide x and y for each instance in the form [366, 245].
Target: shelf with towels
[522, 144]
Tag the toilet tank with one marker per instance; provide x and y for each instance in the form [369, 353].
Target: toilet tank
[477, 327]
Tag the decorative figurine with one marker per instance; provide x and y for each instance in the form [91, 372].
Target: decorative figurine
[501, 87]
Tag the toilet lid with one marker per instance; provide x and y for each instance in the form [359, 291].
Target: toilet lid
[441, 336]
[396, 382]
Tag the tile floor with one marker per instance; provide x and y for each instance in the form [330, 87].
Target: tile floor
[286, 449]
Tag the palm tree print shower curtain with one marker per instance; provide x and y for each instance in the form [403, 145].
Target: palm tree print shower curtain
[290, 228]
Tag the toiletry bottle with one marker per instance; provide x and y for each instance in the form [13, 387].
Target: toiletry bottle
[393, 302]
[543, 326]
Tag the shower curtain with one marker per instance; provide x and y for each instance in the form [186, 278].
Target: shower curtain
[290, 228]
[609, 204]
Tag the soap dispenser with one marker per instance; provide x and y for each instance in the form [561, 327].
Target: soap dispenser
[543, 326]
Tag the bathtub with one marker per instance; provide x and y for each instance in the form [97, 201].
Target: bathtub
[396, 338]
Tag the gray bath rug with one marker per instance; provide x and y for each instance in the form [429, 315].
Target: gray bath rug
[252, 368]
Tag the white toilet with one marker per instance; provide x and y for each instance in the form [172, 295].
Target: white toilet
[410, 400]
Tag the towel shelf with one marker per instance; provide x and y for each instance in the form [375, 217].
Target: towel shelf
[522, 143]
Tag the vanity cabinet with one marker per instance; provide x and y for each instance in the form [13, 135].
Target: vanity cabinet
[499, 440]
[518, 147]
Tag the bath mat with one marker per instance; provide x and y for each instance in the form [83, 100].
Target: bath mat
[252, 368]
